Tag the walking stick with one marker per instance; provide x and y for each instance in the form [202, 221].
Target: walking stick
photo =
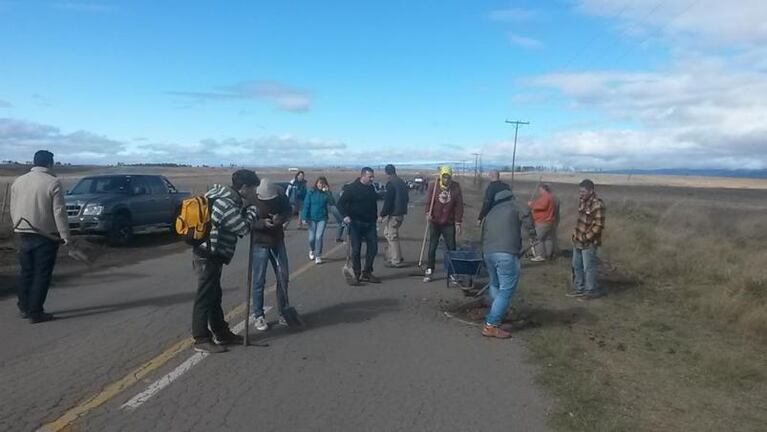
[428, 223]
[248, 289]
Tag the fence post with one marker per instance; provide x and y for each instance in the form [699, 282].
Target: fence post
[6, 199]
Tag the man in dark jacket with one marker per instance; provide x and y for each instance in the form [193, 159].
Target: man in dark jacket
[230, 220]
[268, 245]
[501, 247]
[359, 206]
[393, 214]
[495, 186]
[444, 214]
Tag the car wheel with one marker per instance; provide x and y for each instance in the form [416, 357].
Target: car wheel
[122, 231]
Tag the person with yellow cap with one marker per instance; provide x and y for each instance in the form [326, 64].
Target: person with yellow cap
[444, 213]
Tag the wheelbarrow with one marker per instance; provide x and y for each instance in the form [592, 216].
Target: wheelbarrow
[465, 263]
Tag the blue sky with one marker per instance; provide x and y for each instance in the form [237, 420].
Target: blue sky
[605, 83]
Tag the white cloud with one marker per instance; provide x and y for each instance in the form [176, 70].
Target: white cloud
[700, 113]
[712, 21]
[705, 108]
[20, 139]
[284, 97]
[524, 41]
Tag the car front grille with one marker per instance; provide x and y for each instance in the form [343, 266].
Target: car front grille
[73, 209]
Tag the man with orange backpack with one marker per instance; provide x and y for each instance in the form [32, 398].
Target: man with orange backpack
[229, 219]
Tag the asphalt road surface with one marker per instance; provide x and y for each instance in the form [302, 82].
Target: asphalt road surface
[372, 358]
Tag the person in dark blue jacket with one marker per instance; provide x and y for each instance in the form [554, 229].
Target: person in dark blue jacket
[296, 193]
[315, 212]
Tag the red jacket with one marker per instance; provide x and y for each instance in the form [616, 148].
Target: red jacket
[448, 204]
[544, 209]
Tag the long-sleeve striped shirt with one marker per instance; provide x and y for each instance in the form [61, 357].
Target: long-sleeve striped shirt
[591, 223]
[229, 222]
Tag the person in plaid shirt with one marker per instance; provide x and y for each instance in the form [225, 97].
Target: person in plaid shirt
[586, 240]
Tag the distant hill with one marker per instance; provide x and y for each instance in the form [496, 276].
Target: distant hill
[739, 173]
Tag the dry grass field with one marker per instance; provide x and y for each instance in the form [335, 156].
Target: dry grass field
[680, 341]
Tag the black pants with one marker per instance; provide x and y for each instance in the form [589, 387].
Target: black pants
[435, 231]
[207, 302]
[37, 257]
[363, 232]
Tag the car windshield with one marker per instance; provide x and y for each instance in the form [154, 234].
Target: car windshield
[101, 185]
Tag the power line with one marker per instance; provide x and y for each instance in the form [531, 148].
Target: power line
[594, 37]
[629, 50]
[662, 29]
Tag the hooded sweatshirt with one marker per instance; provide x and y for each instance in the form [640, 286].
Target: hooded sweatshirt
[448, 202]
[502, 227]
[279, 209]
[228, 223]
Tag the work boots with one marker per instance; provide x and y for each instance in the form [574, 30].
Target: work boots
[495, 332]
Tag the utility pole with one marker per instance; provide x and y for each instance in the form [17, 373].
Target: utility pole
[516, 124]
[476, 165]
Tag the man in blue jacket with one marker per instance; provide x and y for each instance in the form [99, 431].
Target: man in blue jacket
[393, 214]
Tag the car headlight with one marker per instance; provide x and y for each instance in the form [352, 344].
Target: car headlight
[93, 210]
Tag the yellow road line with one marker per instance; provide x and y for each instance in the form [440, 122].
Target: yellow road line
[117, 387]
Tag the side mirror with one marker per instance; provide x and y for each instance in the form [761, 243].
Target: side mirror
[67, 192]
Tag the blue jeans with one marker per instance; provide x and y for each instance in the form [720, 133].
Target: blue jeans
[316, 236]
[363, 232]
[504, 271]
[340, 221]
[585, 269]
[278, 257]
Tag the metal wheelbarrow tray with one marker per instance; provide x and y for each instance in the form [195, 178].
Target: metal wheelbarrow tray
[467, 263]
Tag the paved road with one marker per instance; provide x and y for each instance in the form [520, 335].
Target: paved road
[377, 357]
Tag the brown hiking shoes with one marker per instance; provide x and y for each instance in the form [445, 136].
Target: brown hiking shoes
[495, 332]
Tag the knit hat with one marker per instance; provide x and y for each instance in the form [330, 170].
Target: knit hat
[444, 170]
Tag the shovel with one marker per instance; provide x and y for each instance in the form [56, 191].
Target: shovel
[347, 271]
[289, 313]
[248, 290]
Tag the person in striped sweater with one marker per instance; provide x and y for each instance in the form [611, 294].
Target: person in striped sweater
[230, 219]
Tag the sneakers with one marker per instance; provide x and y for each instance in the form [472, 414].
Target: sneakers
[311, 255]
[537, 259]
[260, 323]
[339, 240]
[209, 347]
[228, 338]
[317, 260]
[40, 318]
[370, 278]
[427, 275]
[590, 295]
[495, 332]
[575, 293]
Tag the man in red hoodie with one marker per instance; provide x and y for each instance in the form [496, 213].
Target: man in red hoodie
[544, 211]
[444, 214]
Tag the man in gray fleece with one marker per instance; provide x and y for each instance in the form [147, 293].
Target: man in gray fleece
[501, 247]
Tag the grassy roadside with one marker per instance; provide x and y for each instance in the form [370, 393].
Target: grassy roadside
[680, 342]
